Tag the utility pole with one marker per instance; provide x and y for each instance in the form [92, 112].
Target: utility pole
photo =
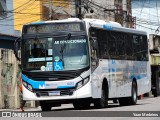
[78, 4]
[0, 80]
[80, 10]
[124, 8]
[50, 9]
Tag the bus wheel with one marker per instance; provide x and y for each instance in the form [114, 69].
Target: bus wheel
[133, 98]
[103, 101]
[45, 106]
[130, 100]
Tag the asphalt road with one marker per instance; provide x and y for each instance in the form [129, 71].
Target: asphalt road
[146, 109]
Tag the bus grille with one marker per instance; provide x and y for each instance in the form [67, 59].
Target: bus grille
[46, 93]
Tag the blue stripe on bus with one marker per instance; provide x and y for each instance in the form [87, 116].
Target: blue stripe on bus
[37, 23]
[138, 77]
[107, 27]
[35, 84]
[39, 84]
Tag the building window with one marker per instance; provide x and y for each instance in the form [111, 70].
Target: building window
[3, 8]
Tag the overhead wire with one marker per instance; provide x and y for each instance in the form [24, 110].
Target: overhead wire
[29, 14]
[148, 21]
[158, 29]
[16, 9]
[98, 7]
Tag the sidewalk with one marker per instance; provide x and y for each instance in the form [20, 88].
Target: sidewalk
[25, 109]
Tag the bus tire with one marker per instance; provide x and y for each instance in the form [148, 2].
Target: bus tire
[133, 98]
[45, 106]
[103, 101]
[130, 100]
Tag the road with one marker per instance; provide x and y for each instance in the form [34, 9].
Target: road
[149, 105]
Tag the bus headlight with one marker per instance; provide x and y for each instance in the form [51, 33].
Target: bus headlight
[82, 83]
[28, 86]
[24, 83]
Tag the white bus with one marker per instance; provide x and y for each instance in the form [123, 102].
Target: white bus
[83, 62]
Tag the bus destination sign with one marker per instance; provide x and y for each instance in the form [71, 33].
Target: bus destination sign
[48, 28]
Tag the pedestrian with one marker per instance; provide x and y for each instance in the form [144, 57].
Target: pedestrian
[23, 102]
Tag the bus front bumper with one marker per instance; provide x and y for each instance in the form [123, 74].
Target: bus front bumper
[83, 92]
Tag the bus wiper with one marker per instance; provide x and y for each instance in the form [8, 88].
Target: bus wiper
[69, 36]
[63, 46]
[78, 74]
[41, 44]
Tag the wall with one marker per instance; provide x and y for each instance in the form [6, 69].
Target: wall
[60, 9]
[9, 80]
[26, 11]
[155, 59]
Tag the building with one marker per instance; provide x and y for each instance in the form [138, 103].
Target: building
[154, 41]
[113, 10]
[27, 11]
[8, 62]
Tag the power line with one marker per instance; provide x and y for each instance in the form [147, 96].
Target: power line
[29, 15]
[17, 8]
[157, 12]
[92, 5]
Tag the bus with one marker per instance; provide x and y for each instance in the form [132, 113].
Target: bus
[82, 62]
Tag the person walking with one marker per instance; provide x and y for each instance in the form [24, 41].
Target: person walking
[23, 102]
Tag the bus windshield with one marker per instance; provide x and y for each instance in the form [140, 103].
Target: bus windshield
[55, 53]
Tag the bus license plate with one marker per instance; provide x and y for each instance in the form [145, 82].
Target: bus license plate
[54, 93]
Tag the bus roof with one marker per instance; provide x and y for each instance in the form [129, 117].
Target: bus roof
[109, 25]
[58, 21]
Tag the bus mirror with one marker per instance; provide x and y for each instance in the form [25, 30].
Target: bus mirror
[17, 47]
[94, 43]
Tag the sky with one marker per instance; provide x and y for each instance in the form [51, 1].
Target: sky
[147, 14]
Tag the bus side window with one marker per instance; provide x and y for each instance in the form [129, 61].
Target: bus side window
[121, 39]
[136, 48]
[93, 54]
[112, 48]
[93, 34]
[139, 48]
[144, 48]
[129, 47]
[103, 44]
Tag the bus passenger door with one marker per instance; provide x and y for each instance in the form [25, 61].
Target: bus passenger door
[95, 69]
